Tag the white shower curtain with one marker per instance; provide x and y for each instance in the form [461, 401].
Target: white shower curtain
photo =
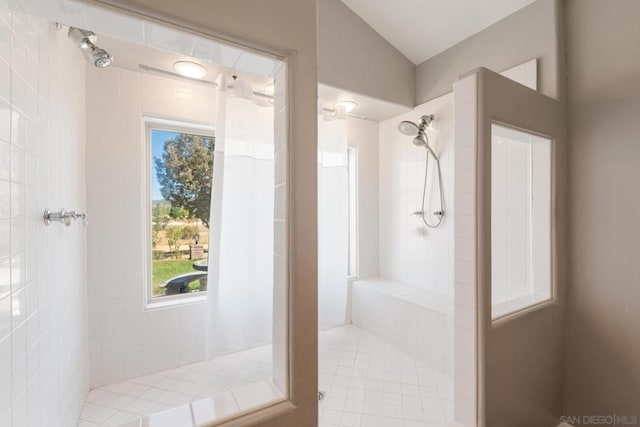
[333, 223]
[240, 281]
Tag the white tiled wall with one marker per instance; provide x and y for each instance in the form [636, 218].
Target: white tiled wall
[411, 253]
[465, 252]
[126, 340]
[417, 258]
[510, 218]
[43, 337]
[541, 215]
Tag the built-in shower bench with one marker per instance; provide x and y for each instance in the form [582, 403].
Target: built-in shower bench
[417, 320]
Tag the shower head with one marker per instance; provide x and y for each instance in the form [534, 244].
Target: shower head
[408, 128]
[100, 57]
[411, 129]
[86, 40]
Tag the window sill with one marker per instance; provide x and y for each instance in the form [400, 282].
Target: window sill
[175, 301]
[519, 306]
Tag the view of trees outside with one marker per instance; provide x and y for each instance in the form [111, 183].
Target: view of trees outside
[181, 176]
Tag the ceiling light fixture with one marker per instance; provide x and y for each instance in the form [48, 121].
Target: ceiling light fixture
[190, 69]
[269, 89]
[348, 106]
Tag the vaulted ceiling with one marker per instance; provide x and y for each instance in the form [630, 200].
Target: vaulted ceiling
[421, 29]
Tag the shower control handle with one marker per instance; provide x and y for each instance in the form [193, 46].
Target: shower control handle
[77, 215]
[63, 216]
[439, 214]
[83, 217]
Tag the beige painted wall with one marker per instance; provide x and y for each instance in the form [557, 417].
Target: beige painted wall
[603, 344]
[354, 57]
[532, 32]
[287, 27]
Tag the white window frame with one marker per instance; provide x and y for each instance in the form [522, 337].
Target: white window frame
[169, 125]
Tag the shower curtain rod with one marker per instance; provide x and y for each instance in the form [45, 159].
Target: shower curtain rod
[153, 70]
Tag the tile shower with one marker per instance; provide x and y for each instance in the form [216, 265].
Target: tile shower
[395, 364]
[68, 138]
[71, 313]
[141, 362]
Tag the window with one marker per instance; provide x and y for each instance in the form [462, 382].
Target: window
[180, 177]
[352, 170]
[520, 220]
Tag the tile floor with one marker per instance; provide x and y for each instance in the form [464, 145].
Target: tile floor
[368, 383]
[226, 377]
[372, 383]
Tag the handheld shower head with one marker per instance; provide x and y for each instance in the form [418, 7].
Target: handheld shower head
[418, 131]
[420, 140]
